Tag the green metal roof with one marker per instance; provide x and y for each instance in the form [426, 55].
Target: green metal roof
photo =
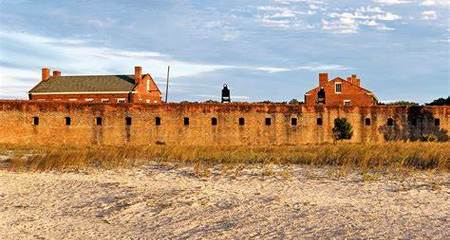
[92, 83]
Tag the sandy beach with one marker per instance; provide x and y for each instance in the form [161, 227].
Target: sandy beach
[162, 202]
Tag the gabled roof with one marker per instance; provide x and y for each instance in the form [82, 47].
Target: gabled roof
[86, 83]
[155, 85]
[340, 79]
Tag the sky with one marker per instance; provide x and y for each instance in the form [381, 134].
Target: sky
[264, 50]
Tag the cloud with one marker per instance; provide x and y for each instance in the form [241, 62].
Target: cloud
[313, 67]
[392, 2]
[283, 15]
[429, 15]
[435, 3]
[349, 22]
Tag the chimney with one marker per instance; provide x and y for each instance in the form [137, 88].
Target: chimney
[349, 79]
[137, 73]
[323, 79]
[353, 78]
[56, 73]
[357, 82]
[45, 74]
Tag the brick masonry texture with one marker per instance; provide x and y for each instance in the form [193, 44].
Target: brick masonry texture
[16, 123]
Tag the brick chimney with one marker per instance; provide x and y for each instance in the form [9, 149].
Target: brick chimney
[355, 80]
[323, 79]
[56, 73]
[45, 74]
[349, 79]
[137, 73]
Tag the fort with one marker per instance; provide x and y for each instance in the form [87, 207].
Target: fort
[39, 122]
[127, 109]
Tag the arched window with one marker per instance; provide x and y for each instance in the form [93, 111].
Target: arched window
[390, 122]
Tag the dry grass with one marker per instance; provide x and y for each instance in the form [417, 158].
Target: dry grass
[395, 155]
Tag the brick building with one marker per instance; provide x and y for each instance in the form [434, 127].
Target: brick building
[96, 88]
[340, 92]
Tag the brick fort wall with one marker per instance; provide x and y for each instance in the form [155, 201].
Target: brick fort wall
[193, 124]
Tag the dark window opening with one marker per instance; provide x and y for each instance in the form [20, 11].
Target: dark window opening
[437, 122]
[186, 121]
[157, 121]
[338, 87]
[36, 121]
[214, 121]
[128, 121]
[241, 121]
[268, 121]
[98, 121]
[414, 122]
[319, 121]
[294, 121]
[321, 96]
[367, 121]
[390, 122]
[68, 121]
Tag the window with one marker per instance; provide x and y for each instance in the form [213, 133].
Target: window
[98, 121]
[241, 121]
[319, 121]
[437, 122]
[89, 99]
[338, 87]
[214, 121]
[293, 121]
[148, 85]
[367, 121]
[268, 121]
[35, 121]
[186, 121]
[121, 100]
[157, 121]
[105, 100]
[128, 121]
[347, 103]
[73, 99]
[414, 122]
[390, 122]
[68, 121]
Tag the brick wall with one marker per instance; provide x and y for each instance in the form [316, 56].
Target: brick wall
[16, 123]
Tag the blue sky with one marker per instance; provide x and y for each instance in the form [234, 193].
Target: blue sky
[264, 50]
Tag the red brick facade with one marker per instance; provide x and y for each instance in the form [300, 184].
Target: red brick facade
[339, 92]
[143, 90]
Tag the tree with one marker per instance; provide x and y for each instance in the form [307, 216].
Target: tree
[342, 129]
[294, 101]
[440, 101]
[403, 103]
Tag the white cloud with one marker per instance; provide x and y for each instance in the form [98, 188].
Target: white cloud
[392, 2]
[435, 3]
[313, 67]
[429, 15]
[285, 15]
[349, 22]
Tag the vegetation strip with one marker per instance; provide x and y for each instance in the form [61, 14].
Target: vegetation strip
[413, 155]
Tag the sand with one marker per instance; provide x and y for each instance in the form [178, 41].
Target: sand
[160, 202]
